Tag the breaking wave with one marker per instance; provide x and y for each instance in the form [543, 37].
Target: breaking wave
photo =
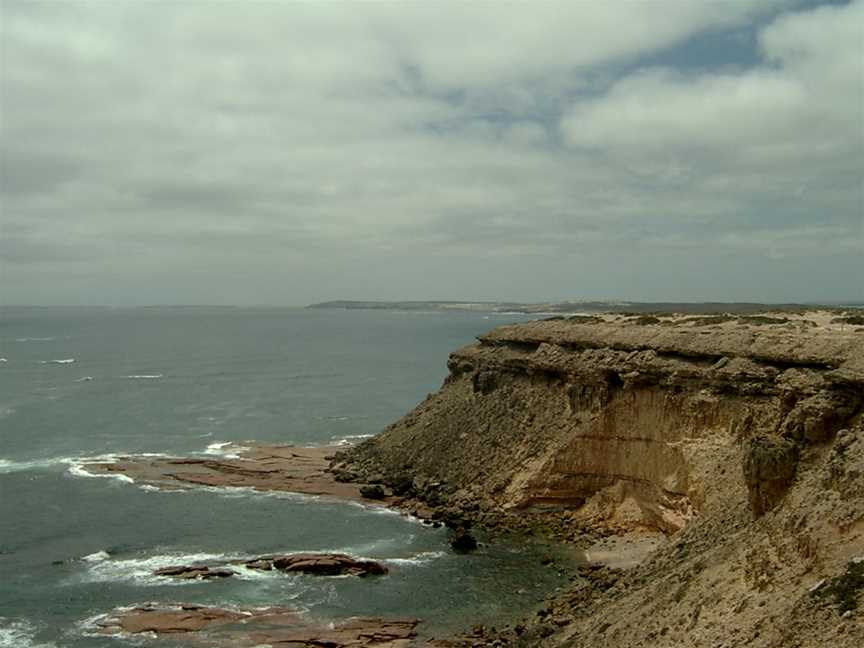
[10, 466]
[422, 558]
[20, 634]
[227, 449]
[351, 439]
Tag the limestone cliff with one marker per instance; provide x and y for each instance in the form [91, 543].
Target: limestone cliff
[721, 432]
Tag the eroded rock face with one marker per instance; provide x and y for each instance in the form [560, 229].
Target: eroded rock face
[621, 422]
[769, 467]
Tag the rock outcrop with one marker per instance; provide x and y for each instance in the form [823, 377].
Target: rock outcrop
[273, 626]
[741, 439]
[316, 564]
[263, 467]
[621, 420]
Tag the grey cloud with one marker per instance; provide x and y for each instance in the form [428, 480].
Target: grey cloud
[322, 146]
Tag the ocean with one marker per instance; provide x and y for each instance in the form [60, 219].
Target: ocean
[87, 382]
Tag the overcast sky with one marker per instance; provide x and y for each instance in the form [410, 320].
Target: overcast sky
[285, 153]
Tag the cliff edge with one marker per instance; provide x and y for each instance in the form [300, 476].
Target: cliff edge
[740, 438]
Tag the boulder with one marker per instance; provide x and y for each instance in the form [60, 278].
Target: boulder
[462, 541]
[373, 491]
[327, 565]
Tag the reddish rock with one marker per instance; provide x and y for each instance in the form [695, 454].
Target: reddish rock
[320, 564]
[257, 626]
[194, 572]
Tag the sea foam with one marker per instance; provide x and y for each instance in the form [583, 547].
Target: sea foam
[422, 558]
[225, 449]
[351, 439]
[11, 466]
[139, 571]
[20, 634]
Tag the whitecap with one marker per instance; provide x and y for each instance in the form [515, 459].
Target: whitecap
[3, 360]
[77, 469]
[351, 439]
[422, 558]
[144, 376]
[238, 492]
[20, 634]
[139, 571]
[225, 449]
[10, 466]
[61, 361]
[35, 339]
[85, 379]
[96, 557]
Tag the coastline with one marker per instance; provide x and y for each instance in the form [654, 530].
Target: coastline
[494, 450]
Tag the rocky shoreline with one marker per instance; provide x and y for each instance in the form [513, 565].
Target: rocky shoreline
[736, 440]
[710, 469]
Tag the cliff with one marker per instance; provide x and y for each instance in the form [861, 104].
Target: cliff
[740, 438]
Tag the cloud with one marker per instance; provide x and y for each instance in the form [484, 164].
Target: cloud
[274, 141]
[802, 103]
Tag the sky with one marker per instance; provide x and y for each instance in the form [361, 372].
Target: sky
[284, 153]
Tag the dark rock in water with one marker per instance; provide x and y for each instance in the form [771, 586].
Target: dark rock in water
[309, 563]
[463, 541]
[193, 572]
[373, 491]
[320, 564]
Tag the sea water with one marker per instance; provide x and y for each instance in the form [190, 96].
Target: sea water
[78, 383]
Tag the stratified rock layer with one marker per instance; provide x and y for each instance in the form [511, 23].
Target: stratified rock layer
[620, 419]
[742, 440]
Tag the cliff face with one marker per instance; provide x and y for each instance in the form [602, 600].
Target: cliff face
[722, 433]
[625, 421]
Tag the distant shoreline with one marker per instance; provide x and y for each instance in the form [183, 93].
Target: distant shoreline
[581, 307]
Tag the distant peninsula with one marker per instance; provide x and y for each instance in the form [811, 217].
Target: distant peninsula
[576, 306]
